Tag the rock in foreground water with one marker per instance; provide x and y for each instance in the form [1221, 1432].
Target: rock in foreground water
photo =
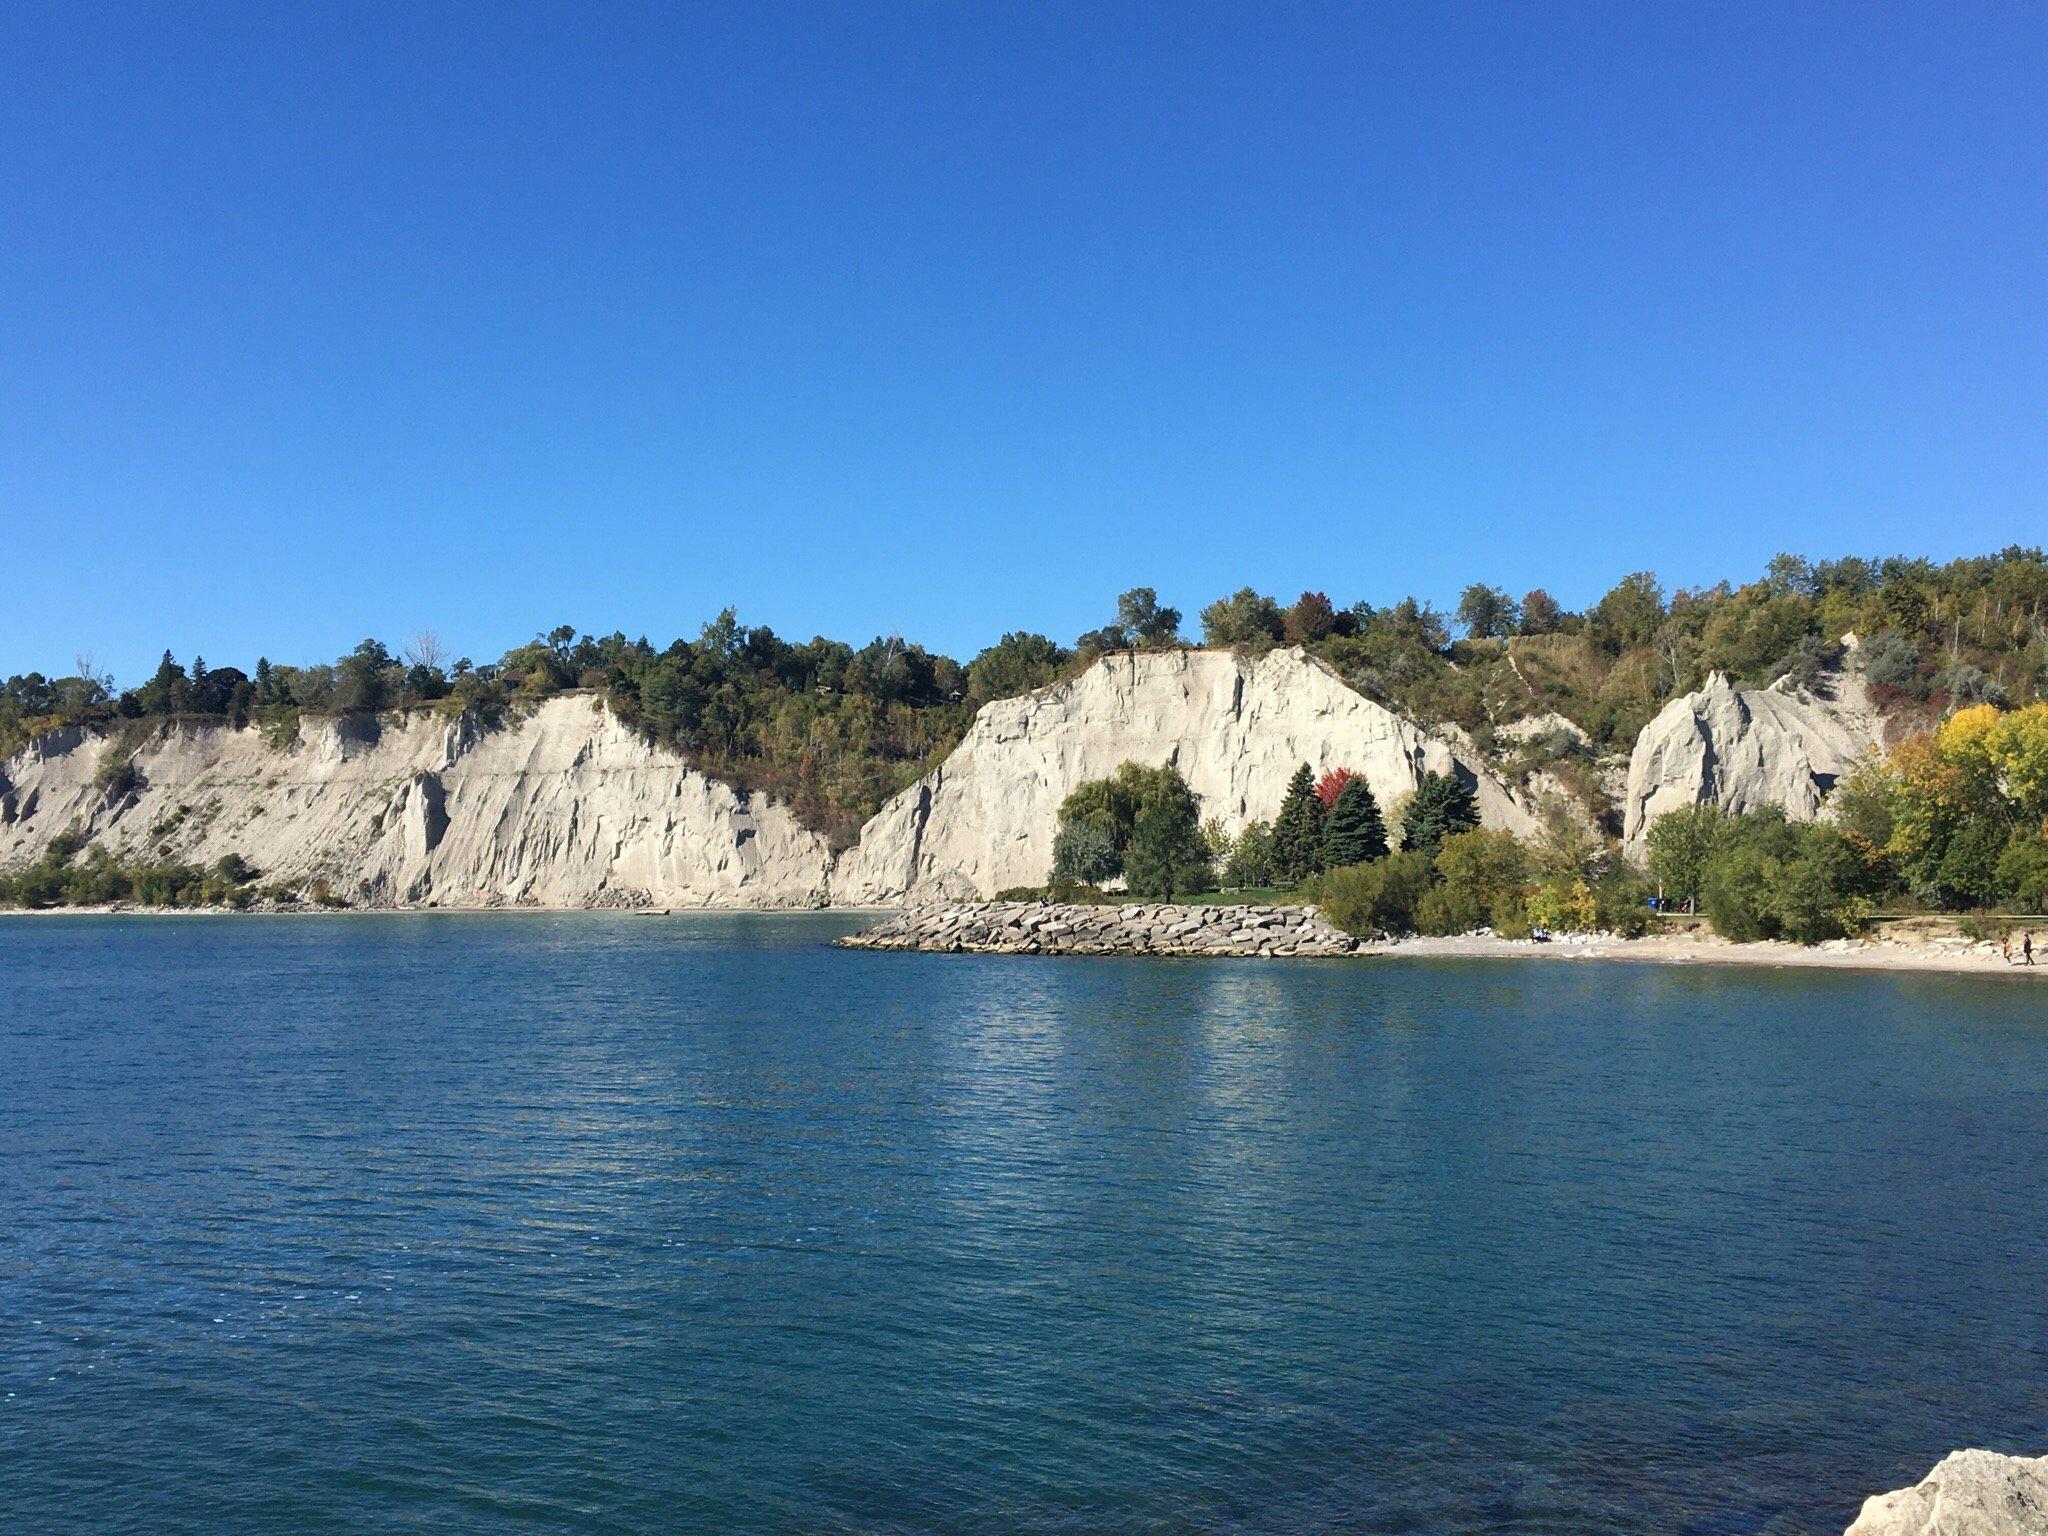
[1136, 928]
[1972, 1493]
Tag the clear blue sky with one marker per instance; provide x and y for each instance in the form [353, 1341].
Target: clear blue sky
[325, 321]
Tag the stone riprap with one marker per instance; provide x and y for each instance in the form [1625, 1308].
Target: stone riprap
[1132, 928]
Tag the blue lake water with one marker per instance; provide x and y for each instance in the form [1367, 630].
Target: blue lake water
[614, 1224]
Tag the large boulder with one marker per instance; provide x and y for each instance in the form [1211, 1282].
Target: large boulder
[1235, 726]
[1972, 1493]
[1745, 748]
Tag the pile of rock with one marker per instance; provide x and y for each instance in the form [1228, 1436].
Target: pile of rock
[1137, 928]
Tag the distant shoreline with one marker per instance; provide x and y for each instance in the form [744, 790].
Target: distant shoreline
[1954, 957]
[440, 911]
[1841, 955]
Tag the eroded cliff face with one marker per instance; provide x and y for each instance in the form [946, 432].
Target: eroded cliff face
[570, 807]
[1746, 748]
[1234, 726]
[567, 807]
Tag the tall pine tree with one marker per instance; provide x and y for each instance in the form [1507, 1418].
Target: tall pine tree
[1442, 807]
[1298, 830]
[1353, 833]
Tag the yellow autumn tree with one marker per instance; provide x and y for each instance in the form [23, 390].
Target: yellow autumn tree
[1963, 807]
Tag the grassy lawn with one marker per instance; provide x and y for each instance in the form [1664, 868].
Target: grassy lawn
[1259, 896]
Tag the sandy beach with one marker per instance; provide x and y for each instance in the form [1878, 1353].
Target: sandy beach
[1957, 956]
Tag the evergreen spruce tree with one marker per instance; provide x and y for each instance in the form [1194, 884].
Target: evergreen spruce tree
[1442, 807]
[1298, 832]
[1353, 833]
[164, 693]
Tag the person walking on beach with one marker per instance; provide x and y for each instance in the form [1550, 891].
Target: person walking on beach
[2027, 948]
[2005, 945]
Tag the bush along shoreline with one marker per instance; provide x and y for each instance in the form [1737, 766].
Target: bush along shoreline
[73, 874]
[1136, 836]
[69, 874]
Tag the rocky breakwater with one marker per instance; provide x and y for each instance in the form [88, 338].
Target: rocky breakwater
[1147, 928]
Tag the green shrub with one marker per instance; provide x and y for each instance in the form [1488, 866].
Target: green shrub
[1622, 903]
[1437, 913]
[1380, 897]
[1735, 884]
[1769, 879]
[70, 874]
[1564, 906]
[1510, 917]
[1477, 873]
[1076, 894]
[2023, 870]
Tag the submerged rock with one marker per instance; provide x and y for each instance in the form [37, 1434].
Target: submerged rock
[1972, 1493]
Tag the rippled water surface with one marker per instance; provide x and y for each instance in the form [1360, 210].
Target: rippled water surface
[615, 1224]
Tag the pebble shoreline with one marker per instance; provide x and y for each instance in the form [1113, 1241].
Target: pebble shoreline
[1139, 928]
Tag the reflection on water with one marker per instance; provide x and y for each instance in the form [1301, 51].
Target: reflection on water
[599, 1223]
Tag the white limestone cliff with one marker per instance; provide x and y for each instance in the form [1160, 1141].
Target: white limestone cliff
[1745, 748]
[1236, 727]
[567, 807]
[1972, 1493]
[570, 807]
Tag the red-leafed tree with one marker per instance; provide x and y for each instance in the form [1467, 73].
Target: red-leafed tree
[1310, 619]
[1331, 785]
